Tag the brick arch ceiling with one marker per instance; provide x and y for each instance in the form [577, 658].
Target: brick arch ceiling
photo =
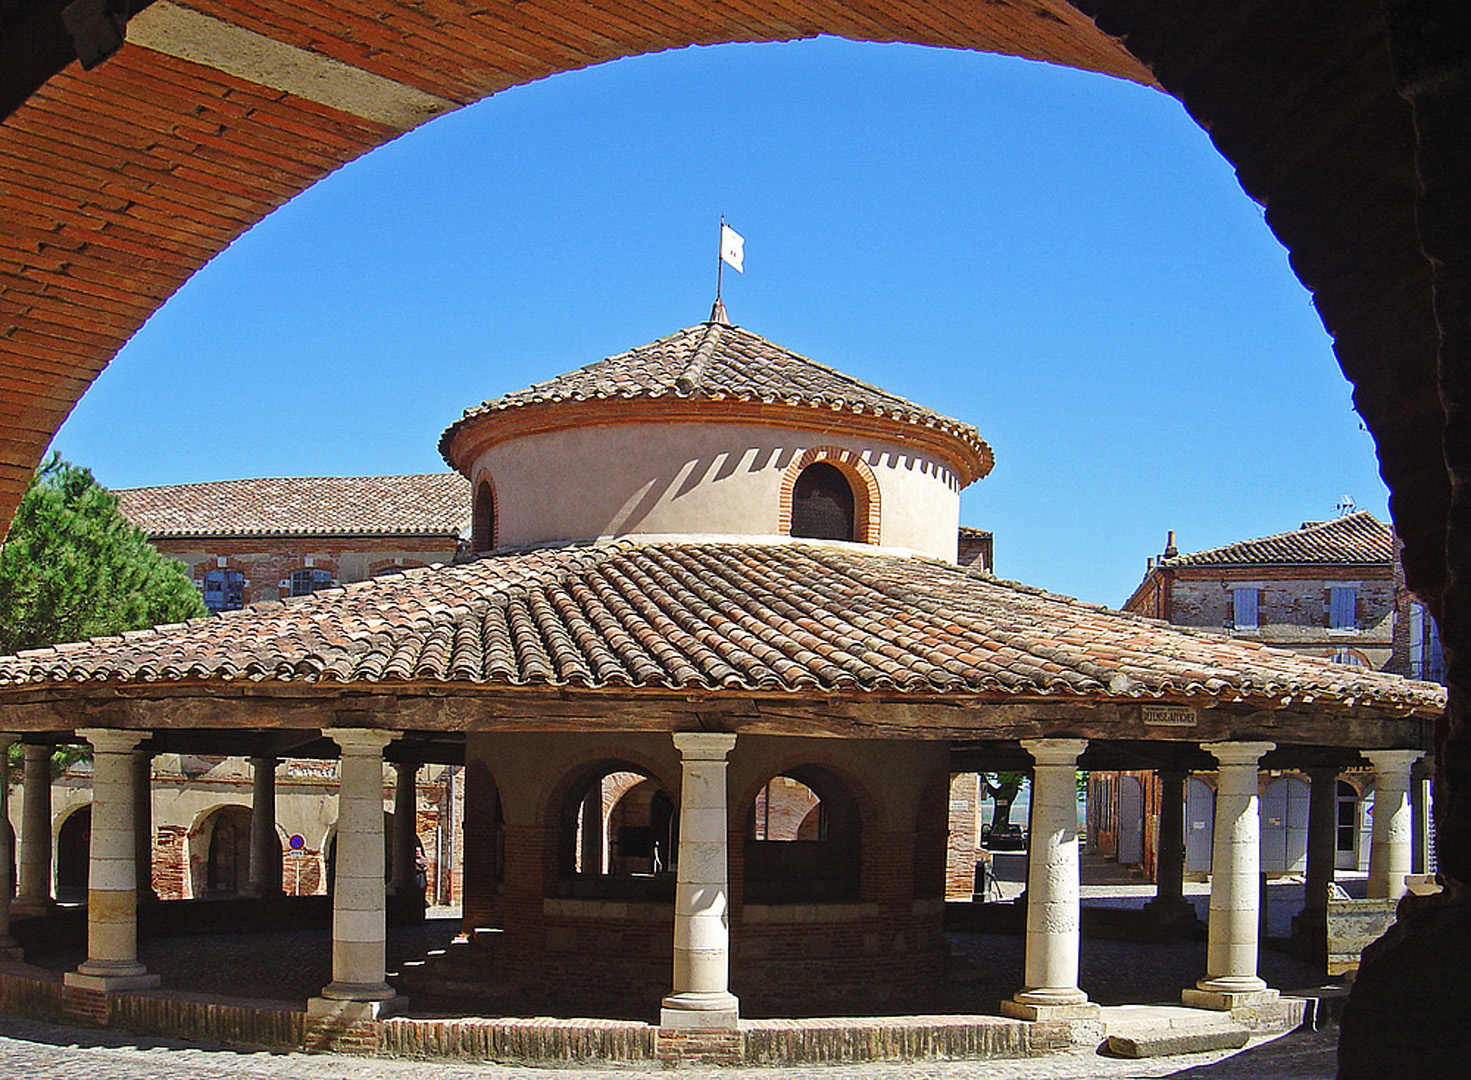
[119, 182]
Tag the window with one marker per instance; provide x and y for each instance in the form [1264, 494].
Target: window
[1244, 602]
[305, 582]
[1348, 657]
[1426, 660]
[822, 504]
[482, 525]
[224, 590]
[1342, 601]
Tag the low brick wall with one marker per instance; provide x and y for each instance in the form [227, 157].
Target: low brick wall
[550, 1042]
[540, 1041]
[1352, 924]
[911, 1038]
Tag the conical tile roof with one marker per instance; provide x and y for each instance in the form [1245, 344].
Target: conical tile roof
[715, 362]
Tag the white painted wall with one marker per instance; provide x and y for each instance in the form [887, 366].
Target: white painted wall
[686, 478]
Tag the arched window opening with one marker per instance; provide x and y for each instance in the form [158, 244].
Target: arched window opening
[227, 864]
[482, 525]
[786, 811]
[73, 845]
[620, 836]
[803, 840]
[224, 590]
[310, 580]
[823, 507]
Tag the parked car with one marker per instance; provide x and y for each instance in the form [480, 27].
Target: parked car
[1004, 836]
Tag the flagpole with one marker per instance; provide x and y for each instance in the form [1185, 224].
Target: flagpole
[719, 259]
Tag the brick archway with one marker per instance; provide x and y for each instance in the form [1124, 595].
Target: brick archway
[866, 501]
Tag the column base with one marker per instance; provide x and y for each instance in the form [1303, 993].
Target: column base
[352, 1010]
[1226, 994]
[110, 975]
[1051, 1003]
[1175, 911]
[700, 1012]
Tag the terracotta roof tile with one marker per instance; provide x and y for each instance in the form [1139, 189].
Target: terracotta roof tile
[738, 616]
[714, 361]
[436, 504]
[1352, 539]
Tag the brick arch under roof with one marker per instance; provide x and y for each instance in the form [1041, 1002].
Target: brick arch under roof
[118, 183]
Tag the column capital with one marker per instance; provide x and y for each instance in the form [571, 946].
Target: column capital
[361, 740]
[1238, 753]
[111, 740]
[1055, 751]
[265, 761]
[704, 745]
[1387, 761]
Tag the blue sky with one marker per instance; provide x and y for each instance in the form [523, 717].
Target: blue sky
[1061, 259]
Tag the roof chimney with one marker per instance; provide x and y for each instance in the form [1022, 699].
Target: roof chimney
[1170, 549]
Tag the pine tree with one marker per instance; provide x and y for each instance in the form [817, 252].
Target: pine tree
[73, 567]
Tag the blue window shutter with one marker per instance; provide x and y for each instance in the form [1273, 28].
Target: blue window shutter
[1245, 603]
[1342, 601]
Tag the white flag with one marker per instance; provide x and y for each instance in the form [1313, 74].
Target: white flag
[732, 247]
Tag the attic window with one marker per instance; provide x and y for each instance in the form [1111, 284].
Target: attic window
[482, 526]
[823, 504]
[305, 582]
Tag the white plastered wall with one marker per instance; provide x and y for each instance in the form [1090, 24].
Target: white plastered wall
[685, 478]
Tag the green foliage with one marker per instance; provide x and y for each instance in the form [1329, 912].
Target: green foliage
[1003, 787]
[73, 567]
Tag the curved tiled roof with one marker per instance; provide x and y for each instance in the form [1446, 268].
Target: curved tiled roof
[435, 504]
[1354, 538]
[715, 361]
[710, 616]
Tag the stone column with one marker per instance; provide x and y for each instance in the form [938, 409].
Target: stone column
[265, 845]
[1236, 858]
[405, 813]
[34, 895]
[1311, 924]
[701, 998]
[1169, 906]
[1053, 915]
[358, 990]
[143, 823]
[112, 873]
[8, 948]
[1389, 857]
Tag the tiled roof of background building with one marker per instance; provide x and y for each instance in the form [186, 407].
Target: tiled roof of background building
[714, 361]
[717, 615]
[1354, 538]
[436, 504]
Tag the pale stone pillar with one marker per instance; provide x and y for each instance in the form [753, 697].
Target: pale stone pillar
[1236, 858]
[8, 948]
[1322, 847]
[1169, 906]
[358, 989]
[1389, 857]
[112, 873]
[1053, 907]
[405, 814]
[143, 822]
[34, 894]
[701, 998]
[265, 845]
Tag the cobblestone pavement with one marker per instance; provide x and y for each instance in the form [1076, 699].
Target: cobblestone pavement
[36, 1051]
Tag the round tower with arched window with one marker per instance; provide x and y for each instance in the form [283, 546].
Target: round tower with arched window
[713, 431]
